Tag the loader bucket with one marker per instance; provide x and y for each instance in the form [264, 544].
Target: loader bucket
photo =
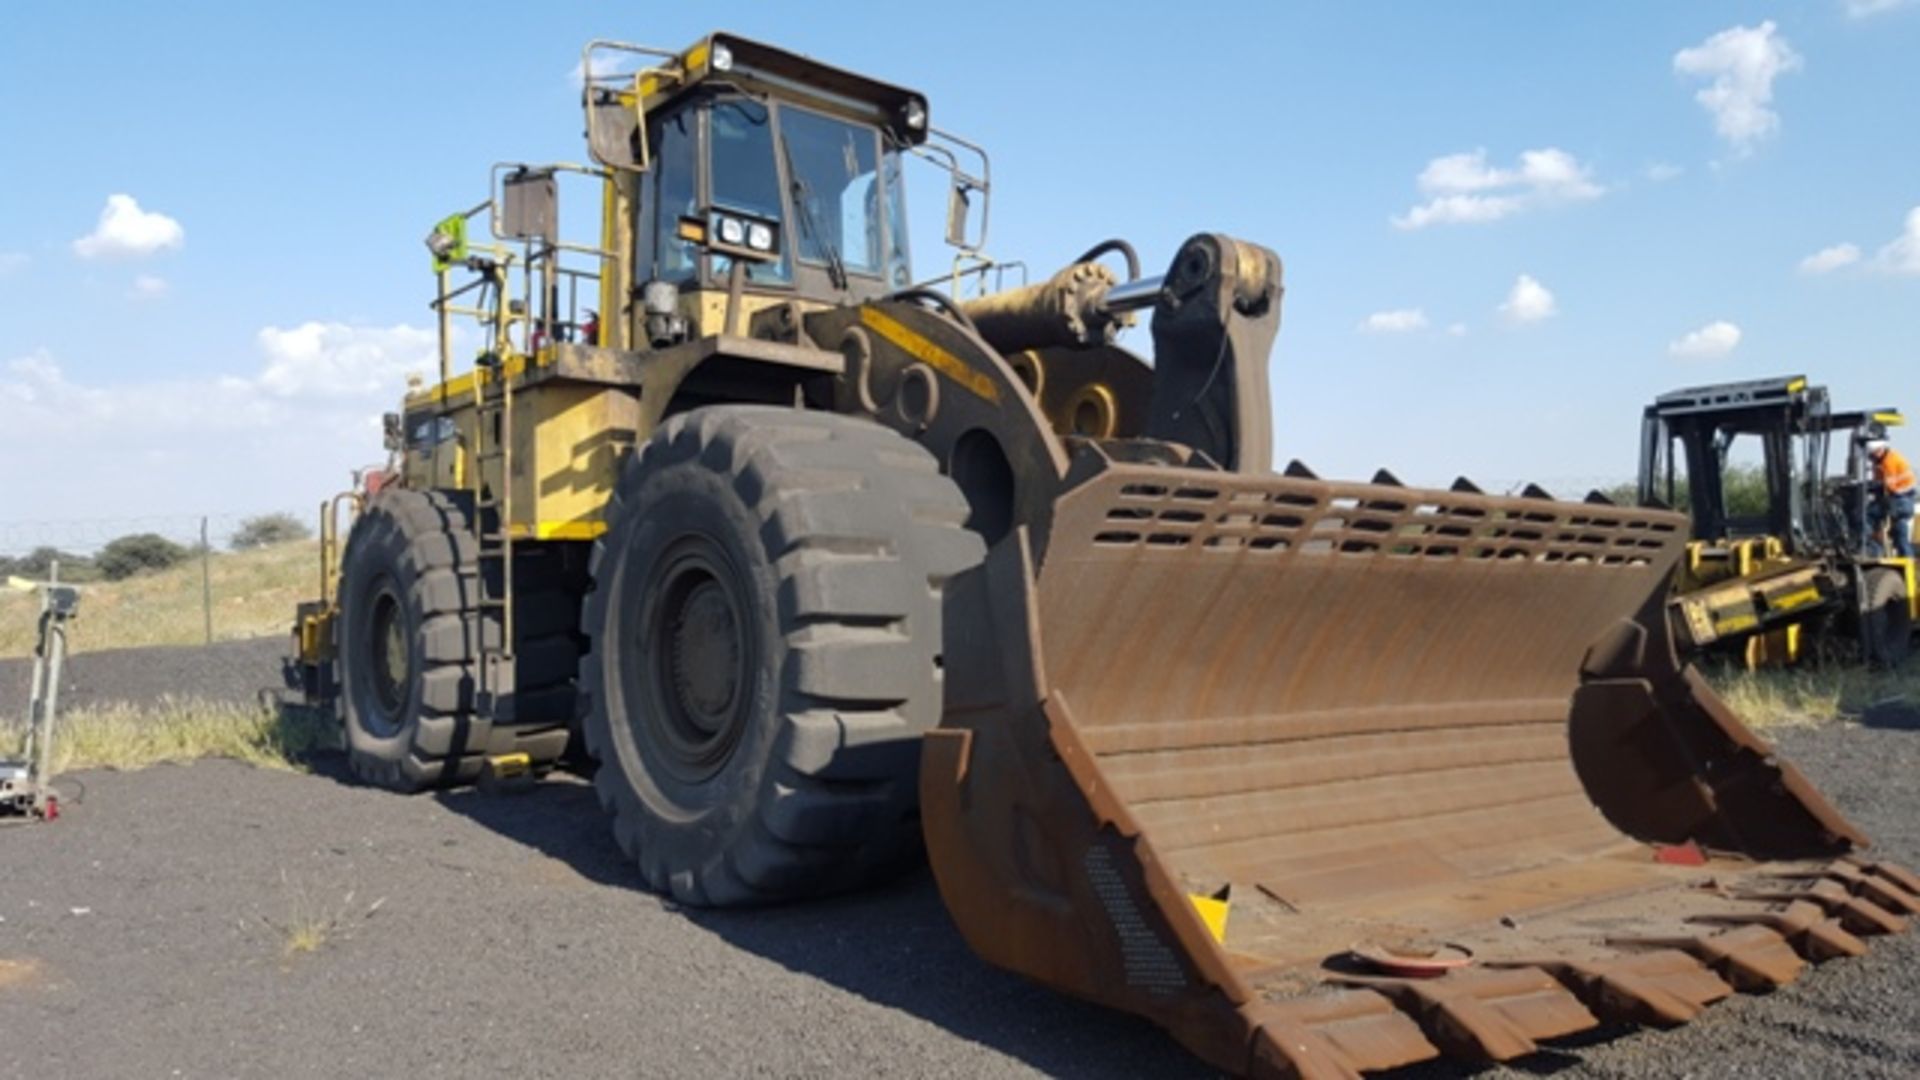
[1210, 738]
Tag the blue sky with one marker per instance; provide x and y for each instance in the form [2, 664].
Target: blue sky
[1506, 225]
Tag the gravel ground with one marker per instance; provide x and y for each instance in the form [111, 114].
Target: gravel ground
[223, 671]
[145, 934]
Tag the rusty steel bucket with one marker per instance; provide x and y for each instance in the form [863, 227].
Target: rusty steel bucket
[1213, 738]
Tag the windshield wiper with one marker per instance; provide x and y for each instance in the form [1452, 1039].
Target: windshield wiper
[836, 270]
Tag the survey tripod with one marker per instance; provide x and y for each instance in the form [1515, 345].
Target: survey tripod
[26, 782]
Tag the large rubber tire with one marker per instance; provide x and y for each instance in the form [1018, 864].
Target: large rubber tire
[764, 651]
[409, 642]
[1886, 623]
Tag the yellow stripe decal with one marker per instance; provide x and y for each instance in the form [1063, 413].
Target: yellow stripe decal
[1734, 623]
[933, 355]
[1792, 600]
[462, 385]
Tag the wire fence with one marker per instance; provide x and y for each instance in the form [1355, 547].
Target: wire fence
[196, 589]
[86, 536]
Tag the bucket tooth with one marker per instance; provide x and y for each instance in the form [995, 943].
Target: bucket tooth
[1899, 875]
[1665, 988]
[1752, 959]
[1804, 924]
[1596, 497]
[1492, 1014]
[1386, 479]
[1299, 471]
[1464, 486]
[1337, 1035]
[1858, 914]
[1535, 491]
[1884, 891]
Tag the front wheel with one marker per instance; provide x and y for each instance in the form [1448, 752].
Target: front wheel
[765, 650]
[1886, 620]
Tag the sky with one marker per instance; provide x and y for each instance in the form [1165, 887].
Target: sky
[1506, 226]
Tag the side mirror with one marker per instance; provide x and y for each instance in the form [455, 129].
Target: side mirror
[614, 135]
[394, 437]
[530, 205]
[959, 207]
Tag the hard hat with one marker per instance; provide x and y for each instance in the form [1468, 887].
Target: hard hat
[1876, 447]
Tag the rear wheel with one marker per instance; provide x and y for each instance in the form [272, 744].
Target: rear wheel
[765, 627]
[408, 642]
[1886, 621]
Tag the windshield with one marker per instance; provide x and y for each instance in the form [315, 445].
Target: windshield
[744, 177]
[837, 191]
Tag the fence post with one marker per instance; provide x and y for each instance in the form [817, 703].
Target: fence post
[206, 578]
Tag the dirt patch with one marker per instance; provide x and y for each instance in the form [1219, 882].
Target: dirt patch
[15, 974]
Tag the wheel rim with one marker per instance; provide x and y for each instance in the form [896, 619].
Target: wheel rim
[695, 650]
[389, 658]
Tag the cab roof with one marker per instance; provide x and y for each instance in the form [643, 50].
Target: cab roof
[764, 69]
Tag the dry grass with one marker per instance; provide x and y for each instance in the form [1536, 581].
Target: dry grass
[310, 925]
[134, 737]
[253, 595]
[1805, 697]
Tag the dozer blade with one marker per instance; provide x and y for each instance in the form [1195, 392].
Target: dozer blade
[1210, 736]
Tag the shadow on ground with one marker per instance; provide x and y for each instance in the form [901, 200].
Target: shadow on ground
[1899, 714]
[893, 945]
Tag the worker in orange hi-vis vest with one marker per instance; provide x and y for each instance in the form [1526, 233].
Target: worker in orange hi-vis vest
[1893, 506]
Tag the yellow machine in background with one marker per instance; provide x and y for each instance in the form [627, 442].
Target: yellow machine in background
[1782, 569]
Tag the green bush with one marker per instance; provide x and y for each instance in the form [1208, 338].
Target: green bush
[1744, 487]
[129, 555]
[267, 529]
[37, 564]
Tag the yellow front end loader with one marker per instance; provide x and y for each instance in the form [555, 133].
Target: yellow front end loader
[821, 565]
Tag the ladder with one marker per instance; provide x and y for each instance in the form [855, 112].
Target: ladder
[493, 535]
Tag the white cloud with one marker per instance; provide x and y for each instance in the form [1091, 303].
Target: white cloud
[1901, 255]
[1861, 9]
[1741, 63]
[1710, 342]
[335, 360]
[1660, 172]
[285, 433]
[1402, 321]
[1829, 259]
[1458, 329]
[1462, 189]
[1528, 301]
[13, 260]
[148, 287]
[125, 230]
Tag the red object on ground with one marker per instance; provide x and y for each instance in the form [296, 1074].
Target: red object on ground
[1687, 854]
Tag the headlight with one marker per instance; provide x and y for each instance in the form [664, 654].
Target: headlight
[722, 58]
[916, 115]
[759, 237]
[732, 231]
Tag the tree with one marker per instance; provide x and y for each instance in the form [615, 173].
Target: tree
[129, 555]
[268, 529]
[38, 564]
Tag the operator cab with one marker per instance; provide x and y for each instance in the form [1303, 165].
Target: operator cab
[761, 157]
[1688, 461]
